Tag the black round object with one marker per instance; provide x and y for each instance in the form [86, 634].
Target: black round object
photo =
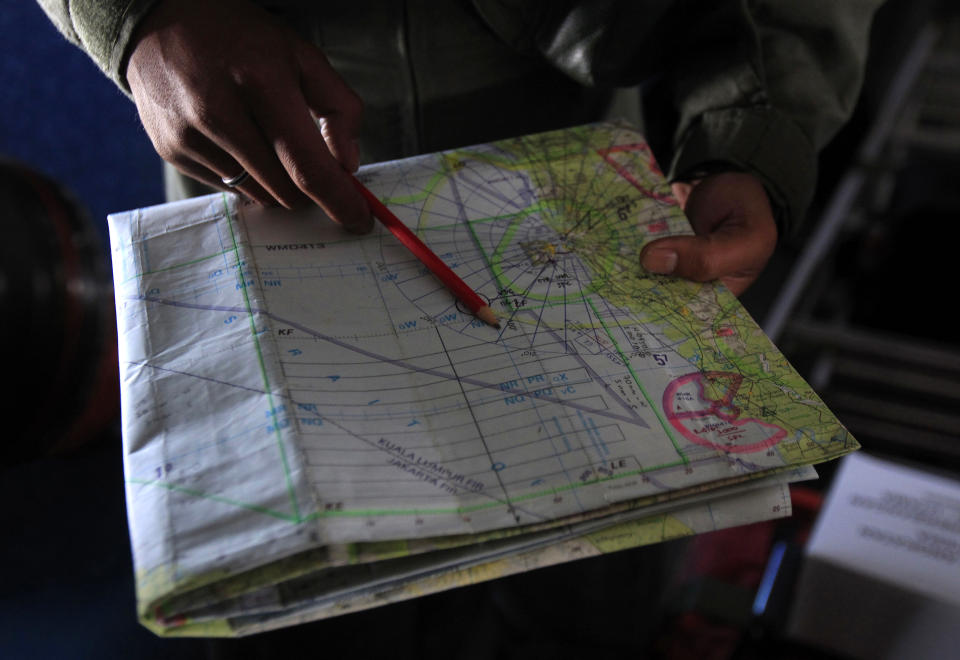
[58, 331]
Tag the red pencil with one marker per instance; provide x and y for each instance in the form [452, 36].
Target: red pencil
[477, 305]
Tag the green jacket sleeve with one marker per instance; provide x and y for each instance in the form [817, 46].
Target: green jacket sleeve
[102, 28]
[770, 101]
[756, 85]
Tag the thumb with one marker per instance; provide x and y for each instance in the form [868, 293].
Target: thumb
[735, 234]
[722, 255]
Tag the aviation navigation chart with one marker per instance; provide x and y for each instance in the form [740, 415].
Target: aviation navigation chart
[292, 392]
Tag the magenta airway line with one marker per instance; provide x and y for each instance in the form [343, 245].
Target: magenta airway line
[382, 358]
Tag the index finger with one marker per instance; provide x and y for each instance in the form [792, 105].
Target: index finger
[285, 119]
[298, 143]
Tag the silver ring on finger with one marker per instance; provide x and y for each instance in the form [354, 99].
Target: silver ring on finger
[234, 181]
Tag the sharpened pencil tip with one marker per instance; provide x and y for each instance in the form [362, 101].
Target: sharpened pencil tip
[486, 315]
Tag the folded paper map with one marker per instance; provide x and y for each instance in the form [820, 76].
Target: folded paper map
[312, 424]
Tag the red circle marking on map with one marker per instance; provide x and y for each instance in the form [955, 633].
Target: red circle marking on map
[718, 419]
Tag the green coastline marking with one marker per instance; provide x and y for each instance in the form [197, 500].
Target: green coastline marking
[214, 498]
[262, 365]
[423, 194]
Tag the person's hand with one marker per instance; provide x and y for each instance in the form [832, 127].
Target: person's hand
[222, 87]
[735, 233]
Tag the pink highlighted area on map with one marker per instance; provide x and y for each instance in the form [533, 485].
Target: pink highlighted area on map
[701, 407]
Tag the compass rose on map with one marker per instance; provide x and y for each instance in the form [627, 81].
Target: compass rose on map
[533, 224]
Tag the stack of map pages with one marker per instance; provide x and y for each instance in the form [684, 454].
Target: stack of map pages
[313, 425]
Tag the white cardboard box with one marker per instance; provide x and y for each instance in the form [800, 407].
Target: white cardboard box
[881, 576]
